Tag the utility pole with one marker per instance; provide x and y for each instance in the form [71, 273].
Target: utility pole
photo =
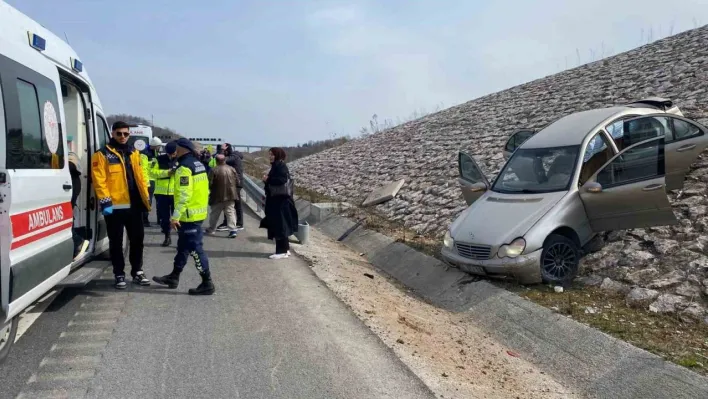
[152, 121]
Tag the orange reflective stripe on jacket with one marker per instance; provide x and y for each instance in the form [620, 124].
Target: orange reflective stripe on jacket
[111, 182]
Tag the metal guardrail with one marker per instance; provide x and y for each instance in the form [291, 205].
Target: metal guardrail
[255, 192]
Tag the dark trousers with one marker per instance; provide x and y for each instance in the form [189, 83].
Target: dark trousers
[131, 221]
[189, 243]
[165, 207]
[239, 214]
[151, 191]
[282, 245]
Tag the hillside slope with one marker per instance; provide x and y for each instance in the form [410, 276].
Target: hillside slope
[424, 153]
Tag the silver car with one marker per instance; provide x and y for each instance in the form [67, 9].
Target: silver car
[588, 172]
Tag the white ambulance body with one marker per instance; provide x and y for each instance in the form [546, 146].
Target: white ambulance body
[45, 98]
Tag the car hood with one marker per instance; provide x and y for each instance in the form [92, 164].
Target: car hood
[496, 219]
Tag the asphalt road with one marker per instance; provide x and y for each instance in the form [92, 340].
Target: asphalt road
[272, 330]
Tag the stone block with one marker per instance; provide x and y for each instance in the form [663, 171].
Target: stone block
[383, 194]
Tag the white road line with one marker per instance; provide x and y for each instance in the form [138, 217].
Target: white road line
[67, 361]
[63, 376]
[30, 315]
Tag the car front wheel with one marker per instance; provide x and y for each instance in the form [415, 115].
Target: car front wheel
[559, 259]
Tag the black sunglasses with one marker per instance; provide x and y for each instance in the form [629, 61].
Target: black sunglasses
[122, 134]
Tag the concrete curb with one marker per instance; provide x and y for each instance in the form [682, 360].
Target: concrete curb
[595, 363]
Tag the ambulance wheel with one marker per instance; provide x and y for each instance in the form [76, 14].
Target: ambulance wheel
[7, 337]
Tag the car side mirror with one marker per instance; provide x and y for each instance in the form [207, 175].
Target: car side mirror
[478, 187]
[593, 187]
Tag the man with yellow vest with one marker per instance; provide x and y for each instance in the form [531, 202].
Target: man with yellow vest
[147, 159]
[191, 204]
[122, 192]
[163, 171]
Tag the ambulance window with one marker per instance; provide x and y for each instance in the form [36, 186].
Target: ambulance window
[102, 131]
[29, 117]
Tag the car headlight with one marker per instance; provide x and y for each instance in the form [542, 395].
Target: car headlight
[512, 250]
[448, 242]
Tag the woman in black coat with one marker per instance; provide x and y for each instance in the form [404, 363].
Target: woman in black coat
[281, 217]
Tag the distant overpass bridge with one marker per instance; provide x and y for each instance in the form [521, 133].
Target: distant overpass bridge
[247, 147]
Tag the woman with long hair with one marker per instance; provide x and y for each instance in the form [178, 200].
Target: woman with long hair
[281, 217]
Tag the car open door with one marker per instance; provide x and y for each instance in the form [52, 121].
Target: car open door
[472, 181]
[515, 141]
[688, 140]
[629, 191]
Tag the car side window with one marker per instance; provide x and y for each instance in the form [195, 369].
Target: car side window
[468, 169]
[33, 133]
[517, 139]
[597, 153]
[684, 130]
[628, 132]
[102, 131]
[643, 162]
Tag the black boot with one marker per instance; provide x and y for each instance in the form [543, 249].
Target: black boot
[168, 240]
[205, 288]
[171, 280]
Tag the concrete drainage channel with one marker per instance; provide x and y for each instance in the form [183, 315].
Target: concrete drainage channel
[585, 358]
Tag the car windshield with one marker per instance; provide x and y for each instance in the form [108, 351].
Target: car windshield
[538, 170]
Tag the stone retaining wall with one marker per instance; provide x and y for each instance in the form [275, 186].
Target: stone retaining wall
[424, 153]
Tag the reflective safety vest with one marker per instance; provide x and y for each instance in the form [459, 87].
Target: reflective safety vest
[160, 172]
[191, 190]
[146, 163]
[212, 163]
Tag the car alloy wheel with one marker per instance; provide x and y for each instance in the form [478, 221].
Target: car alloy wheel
[559, 259]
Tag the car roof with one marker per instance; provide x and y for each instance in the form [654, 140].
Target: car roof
[572, 129]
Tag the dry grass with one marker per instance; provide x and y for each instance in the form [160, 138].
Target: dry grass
[682, 342]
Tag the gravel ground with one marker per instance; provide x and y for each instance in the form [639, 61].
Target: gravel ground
[454, 358]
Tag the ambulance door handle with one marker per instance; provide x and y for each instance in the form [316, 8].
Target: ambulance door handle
[67, 187]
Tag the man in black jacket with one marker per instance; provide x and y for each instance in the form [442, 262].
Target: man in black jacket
[235, 160]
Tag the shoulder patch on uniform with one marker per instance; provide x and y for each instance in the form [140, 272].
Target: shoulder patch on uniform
[184, 181]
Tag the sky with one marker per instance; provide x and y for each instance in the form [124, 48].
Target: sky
[285, 72]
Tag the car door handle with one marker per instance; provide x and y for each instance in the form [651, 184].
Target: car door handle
[686, 148]
[652, 187]
[67, 187]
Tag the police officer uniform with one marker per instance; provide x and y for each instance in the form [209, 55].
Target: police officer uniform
[163, 171]
[191, 197]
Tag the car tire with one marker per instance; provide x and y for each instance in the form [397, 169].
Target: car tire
[559, 259]
[7, 338]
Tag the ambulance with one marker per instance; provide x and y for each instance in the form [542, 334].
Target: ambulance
[140, 136]
[48, 109]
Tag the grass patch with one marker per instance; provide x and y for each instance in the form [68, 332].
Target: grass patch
[682, 342]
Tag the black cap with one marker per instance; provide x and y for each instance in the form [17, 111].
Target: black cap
[184, 143]
[119, 125]
[171, 147]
